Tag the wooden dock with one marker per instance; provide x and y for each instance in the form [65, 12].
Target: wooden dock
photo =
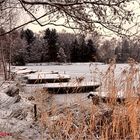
[70, 87]
[54, 82]
[47, 78]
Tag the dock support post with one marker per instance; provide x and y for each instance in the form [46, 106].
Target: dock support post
[35, 112]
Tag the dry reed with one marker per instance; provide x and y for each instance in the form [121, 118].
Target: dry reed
[102, 121]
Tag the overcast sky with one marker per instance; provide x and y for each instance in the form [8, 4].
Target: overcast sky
[37, 28]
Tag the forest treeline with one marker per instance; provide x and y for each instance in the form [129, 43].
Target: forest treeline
[24, 46]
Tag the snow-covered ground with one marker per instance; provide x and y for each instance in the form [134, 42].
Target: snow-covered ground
[16, 114]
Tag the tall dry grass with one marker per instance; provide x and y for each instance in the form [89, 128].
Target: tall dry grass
[102, 121]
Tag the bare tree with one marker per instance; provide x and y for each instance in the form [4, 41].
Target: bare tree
[84, 15]
[3, 45]
[7, 17]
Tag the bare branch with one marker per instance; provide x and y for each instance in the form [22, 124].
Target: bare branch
[31, 21]
[86, 15]
[2, 1]
[73, 3]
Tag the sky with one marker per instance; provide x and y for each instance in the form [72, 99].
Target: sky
[37, 28]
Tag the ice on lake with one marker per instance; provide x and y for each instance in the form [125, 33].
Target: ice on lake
[96, 72]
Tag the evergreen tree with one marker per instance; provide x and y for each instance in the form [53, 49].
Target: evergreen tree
[37, 50]
[29, 37]
[65, 41]
[61, 56]
[118, 53]
[106, 51]
[75, 51]
[125, 53]
[19, 58]
[91, 50]
[83, 50]
[51, 38]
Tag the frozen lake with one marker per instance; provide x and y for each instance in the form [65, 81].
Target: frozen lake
[90, 71]
[74, 70]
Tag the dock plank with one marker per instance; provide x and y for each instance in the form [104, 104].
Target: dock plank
[47, 78]
[71, 87]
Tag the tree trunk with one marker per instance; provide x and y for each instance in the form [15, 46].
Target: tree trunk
[4, 66]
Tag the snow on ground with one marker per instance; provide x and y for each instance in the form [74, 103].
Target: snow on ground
[13, 117]
[15, 111]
